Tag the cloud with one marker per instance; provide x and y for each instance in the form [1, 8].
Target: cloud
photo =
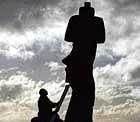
[31, 59]
[19, 95]
[127, 112]
[30, 50]
[121, 19]
[54, 66]
[24, 45]
[120, 73]
[9, 110]
[18, 15]
[19, 87]
[15, 87]
[117, 85]
[125, 5]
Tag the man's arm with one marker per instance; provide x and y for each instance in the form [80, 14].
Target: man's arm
[53, 104]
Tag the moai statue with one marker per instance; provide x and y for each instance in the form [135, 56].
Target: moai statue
[85, 31]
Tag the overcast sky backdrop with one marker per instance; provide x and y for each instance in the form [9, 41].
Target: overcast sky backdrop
[32, 47]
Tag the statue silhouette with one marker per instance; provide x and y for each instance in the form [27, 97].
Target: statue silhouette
[85, 31]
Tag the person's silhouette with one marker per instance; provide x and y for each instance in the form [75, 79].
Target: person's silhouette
[45, 106]
[85, 31]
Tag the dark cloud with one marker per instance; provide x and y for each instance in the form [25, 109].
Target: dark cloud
[41, 2]
[104, 60]
[15, 12]
[19, 15]
[125, 6]
[135, 74]
[71, 7]
[121, 20]
[35, 67]
[100, 102]
[8, 92]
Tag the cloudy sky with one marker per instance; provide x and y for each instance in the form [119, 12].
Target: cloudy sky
[32, 47]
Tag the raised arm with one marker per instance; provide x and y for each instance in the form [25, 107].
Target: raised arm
[53, 104]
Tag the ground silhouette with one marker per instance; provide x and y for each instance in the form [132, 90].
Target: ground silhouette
[85, 31]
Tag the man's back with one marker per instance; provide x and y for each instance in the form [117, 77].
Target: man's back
[44, 105]
[45, 108]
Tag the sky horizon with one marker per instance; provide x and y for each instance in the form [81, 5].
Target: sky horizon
[32, 46]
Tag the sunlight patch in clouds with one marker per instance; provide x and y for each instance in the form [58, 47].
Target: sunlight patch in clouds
[19, 45]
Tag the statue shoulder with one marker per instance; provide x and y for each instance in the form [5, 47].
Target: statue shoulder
[99, 19]
[74, 18]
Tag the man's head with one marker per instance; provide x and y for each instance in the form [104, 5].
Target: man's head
[43, 92]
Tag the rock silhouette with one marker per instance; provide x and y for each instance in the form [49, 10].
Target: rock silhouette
[85, 31]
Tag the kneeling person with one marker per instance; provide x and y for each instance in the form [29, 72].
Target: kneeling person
[45, 106]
